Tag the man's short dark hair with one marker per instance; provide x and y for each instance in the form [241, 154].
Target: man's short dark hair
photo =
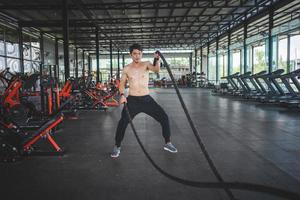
[135, 46]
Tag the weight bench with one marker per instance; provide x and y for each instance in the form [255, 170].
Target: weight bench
[43, 132]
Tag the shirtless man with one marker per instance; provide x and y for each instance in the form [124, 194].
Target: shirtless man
[139, 100]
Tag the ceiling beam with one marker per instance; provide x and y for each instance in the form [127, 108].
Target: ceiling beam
[180, 4]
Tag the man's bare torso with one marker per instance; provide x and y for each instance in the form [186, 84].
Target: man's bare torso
[138, 78]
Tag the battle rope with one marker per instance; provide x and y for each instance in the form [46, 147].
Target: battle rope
[221, 184]
[195, 131]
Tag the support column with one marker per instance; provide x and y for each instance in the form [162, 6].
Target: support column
[252, 58]
[217, 60]
[20, 35]
[97, 55]
[191, 63]
[42, 48]
[241, 62]
[42, 92]
[207, 62]
[118, 74]
[228, 54]
[123, 60]
[65, 12]
[56, 57]
[111, 63]
[195, 60]
[76, 62]
[89, 64]
[201, 59]
[245, 48]
[288, 53]
[83, 63]
[270, 40]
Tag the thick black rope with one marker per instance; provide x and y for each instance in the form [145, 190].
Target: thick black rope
[195, 131]
[221, 184]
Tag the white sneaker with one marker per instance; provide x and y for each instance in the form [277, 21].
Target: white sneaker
[116, 152]
[170, 147]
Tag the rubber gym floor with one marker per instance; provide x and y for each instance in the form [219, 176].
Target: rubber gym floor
[247, 143]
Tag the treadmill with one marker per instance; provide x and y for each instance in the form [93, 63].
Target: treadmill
[272, 91]
[294, 101]
[259, 90]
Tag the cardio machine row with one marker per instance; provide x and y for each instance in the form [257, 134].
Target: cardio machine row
[275, 87]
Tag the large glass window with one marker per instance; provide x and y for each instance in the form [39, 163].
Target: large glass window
[61, 64]
[282, 52]
[105, 68]
[222, 65]
[249, 58]
[259, 58]
[27, 66]
[104, 65]
[9, 49]
[295, 52]
[105, 75]
[12, 45]
[2, 63]
[12, 49]
[26, 52]
[35, 54]
[212, 68]
[35, 66]
[225, 60]
[31, 53]
[35, 42]
[2, 50]
[93, 63]
[80, 68]
[236, 61]
[275, 52]
[180, 66]
[204, 61]
[72, 63]
[13, 64]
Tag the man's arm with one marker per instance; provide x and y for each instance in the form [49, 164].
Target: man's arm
[122, 86]
[123, 81]
[155, 68]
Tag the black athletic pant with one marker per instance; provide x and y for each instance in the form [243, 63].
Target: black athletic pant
[145, 104]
